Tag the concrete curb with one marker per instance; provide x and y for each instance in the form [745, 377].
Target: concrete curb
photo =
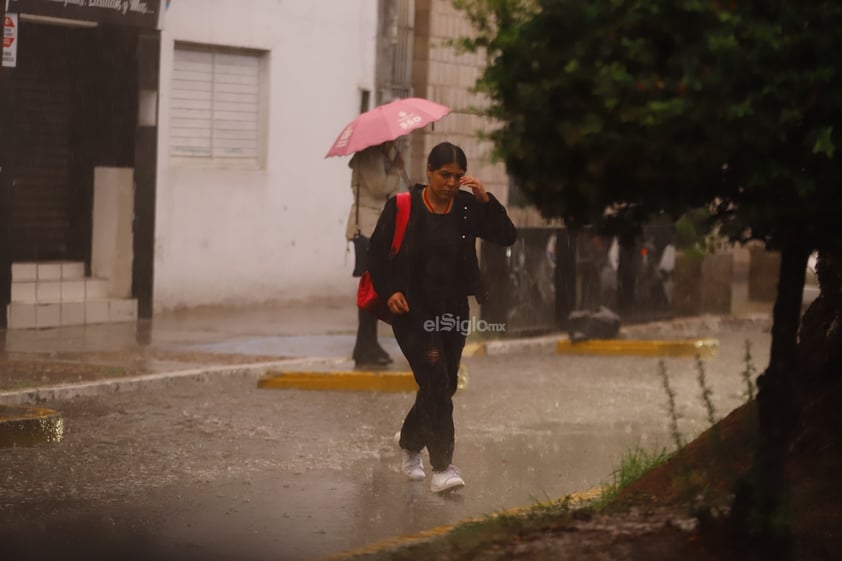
[348, 380]
[546, 343]
[635, 347]
[403, 381]
[63, 392]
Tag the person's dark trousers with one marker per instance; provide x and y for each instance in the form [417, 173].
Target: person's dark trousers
[434, 357]
[366, 344]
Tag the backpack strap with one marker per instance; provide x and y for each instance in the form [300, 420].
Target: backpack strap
[403, 203]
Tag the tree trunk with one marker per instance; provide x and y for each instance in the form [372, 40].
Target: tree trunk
[760, 506]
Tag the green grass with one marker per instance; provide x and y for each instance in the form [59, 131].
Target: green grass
[487, 538]
[490, 538]
[484, 538]
[633, 465]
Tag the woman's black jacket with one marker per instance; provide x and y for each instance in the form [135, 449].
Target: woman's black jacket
[488, 221]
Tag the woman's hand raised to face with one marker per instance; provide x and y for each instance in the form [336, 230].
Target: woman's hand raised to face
[397, 304]
[474, 184]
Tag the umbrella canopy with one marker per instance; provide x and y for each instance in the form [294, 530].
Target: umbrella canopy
[386, 122]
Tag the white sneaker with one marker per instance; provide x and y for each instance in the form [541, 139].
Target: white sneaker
[447, 480]
[411, 463]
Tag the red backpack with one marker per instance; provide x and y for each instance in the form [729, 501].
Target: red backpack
[367, 297]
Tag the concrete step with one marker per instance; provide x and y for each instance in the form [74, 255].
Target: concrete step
[47, 271]
[58, 291]
[38, 315]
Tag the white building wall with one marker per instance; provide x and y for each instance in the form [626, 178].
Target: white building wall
[274, 233]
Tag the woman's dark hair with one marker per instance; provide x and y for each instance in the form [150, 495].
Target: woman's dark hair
[446, 153]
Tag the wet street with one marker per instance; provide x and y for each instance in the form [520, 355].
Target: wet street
[220, 468]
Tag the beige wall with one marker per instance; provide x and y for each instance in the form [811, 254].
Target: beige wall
[445, 76]
[112, 249]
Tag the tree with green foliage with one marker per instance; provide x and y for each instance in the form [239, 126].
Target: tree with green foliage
[611, 111]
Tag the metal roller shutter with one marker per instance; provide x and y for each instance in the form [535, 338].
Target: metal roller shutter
[42, 99]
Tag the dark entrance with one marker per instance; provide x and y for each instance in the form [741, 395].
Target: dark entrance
[74, 94]
[69, 104]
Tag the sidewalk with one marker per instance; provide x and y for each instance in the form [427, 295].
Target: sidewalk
[39, 365]
[61, 363]
[194, 340]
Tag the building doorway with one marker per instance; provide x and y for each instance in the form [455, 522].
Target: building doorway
[74, 93]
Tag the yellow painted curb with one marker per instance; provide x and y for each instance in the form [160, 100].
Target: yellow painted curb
[353, 380]
[575, 500]
[24, 426]
[349, 380]
[675, 347]
[474, 349]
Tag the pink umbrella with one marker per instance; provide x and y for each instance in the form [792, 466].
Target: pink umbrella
[386, 122]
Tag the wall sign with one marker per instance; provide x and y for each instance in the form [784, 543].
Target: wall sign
[137, 13]
[10, 40]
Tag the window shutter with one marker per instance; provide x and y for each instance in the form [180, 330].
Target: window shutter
[215, 104]
[236, 92]
[192, 103]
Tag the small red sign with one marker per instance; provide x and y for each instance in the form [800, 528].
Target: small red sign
[8, 32]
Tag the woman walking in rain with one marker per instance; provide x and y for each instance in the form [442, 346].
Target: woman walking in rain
[427, 285]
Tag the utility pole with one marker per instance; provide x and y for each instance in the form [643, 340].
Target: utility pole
[5, 192]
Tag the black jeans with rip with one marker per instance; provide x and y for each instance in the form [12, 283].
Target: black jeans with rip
[434, 356]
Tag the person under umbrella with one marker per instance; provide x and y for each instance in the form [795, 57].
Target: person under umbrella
[377, 168]
[377, 174]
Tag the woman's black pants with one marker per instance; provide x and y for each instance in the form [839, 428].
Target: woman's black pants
[434, 356]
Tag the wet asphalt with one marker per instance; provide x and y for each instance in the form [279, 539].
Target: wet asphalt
[214, 467]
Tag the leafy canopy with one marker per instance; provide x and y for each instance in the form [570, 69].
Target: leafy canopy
[647, 106]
